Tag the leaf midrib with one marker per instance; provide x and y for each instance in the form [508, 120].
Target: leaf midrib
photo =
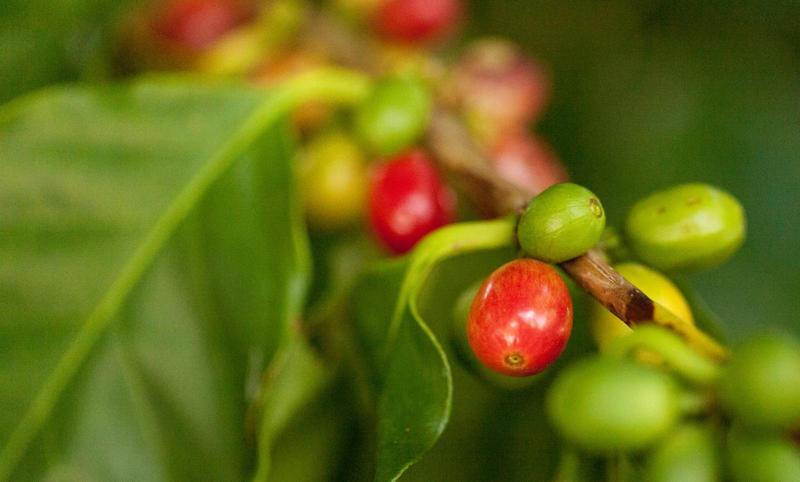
[332, 85]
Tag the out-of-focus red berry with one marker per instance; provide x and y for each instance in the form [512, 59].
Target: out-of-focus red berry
[521, 318]
[408, 200]
[499, 89]
[528, 162]
[194, 25]
[417, 20]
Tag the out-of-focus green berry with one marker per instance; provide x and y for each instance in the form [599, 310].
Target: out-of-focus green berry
[333, 181]
[761, 457]
[394, 115]
[761, 384]
[606, 327]
[688, 454]
[604, 405]
[687, 227]
[561, 223]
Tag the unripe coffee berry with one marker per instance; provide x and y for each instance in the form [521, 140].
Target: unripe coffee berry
[562, 223]
[394, 115]
[417, 20]
[689, 453]
[528, 162]
[761, 384]
[407, 200]
[605, 405]
[194, 25]
[521, 318]
[333, 181]
[761, 457]
[687, 227]
[606, 327]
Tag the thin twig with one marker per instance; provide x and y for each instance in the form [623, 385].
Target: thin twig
[457, 153]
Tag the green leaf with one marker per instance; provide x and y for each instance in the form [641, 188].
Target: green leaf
[313, 446]
[45, 41]
[416, 382]
[152, 257]
[375, 296]
[293, 379]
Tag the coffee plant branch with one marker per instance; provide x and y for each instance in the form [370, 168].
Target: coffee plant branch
[458, 155]
[464, 162]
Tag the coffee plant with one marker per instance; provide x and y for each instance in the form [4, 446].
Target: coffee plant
[292, 240]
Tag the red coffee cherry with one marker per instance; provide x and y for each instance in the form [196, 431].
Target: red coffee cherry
[528, 162]
[194, 25]
[498, 89]
[408, 200]
[521, 318]
[417, 20]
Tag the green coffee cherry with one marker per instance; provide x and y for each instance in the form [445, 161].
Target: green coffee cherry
[762, 457]
[605, 405]
[761, 384]
[458, 337]
[561, 223]
[687, 227]
[394, 116]
[688, 454]
[333, 181]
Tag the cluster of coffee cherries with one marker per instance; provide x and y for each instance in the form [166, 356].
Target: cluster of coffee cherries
[521, 317]
[673, 413]
[672, 423]
[369, 165]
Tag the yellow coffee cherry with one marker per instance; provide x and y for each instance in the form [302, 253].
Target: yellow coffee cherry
[606, 327]
[333, 180]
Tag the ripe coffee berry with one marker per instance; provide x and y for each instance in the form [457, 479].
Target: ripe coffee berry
[528, 162]
[687, 227]
[460, 342]
[563, 222]
[194, 25]
[416, 20]
[498, 89]
[407, 200]
[521, 318]
[394, 115]
[607, 404]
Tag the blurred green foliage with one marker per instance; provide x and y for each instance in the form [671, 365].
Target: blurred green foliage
[42, 41]
[141, 299]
